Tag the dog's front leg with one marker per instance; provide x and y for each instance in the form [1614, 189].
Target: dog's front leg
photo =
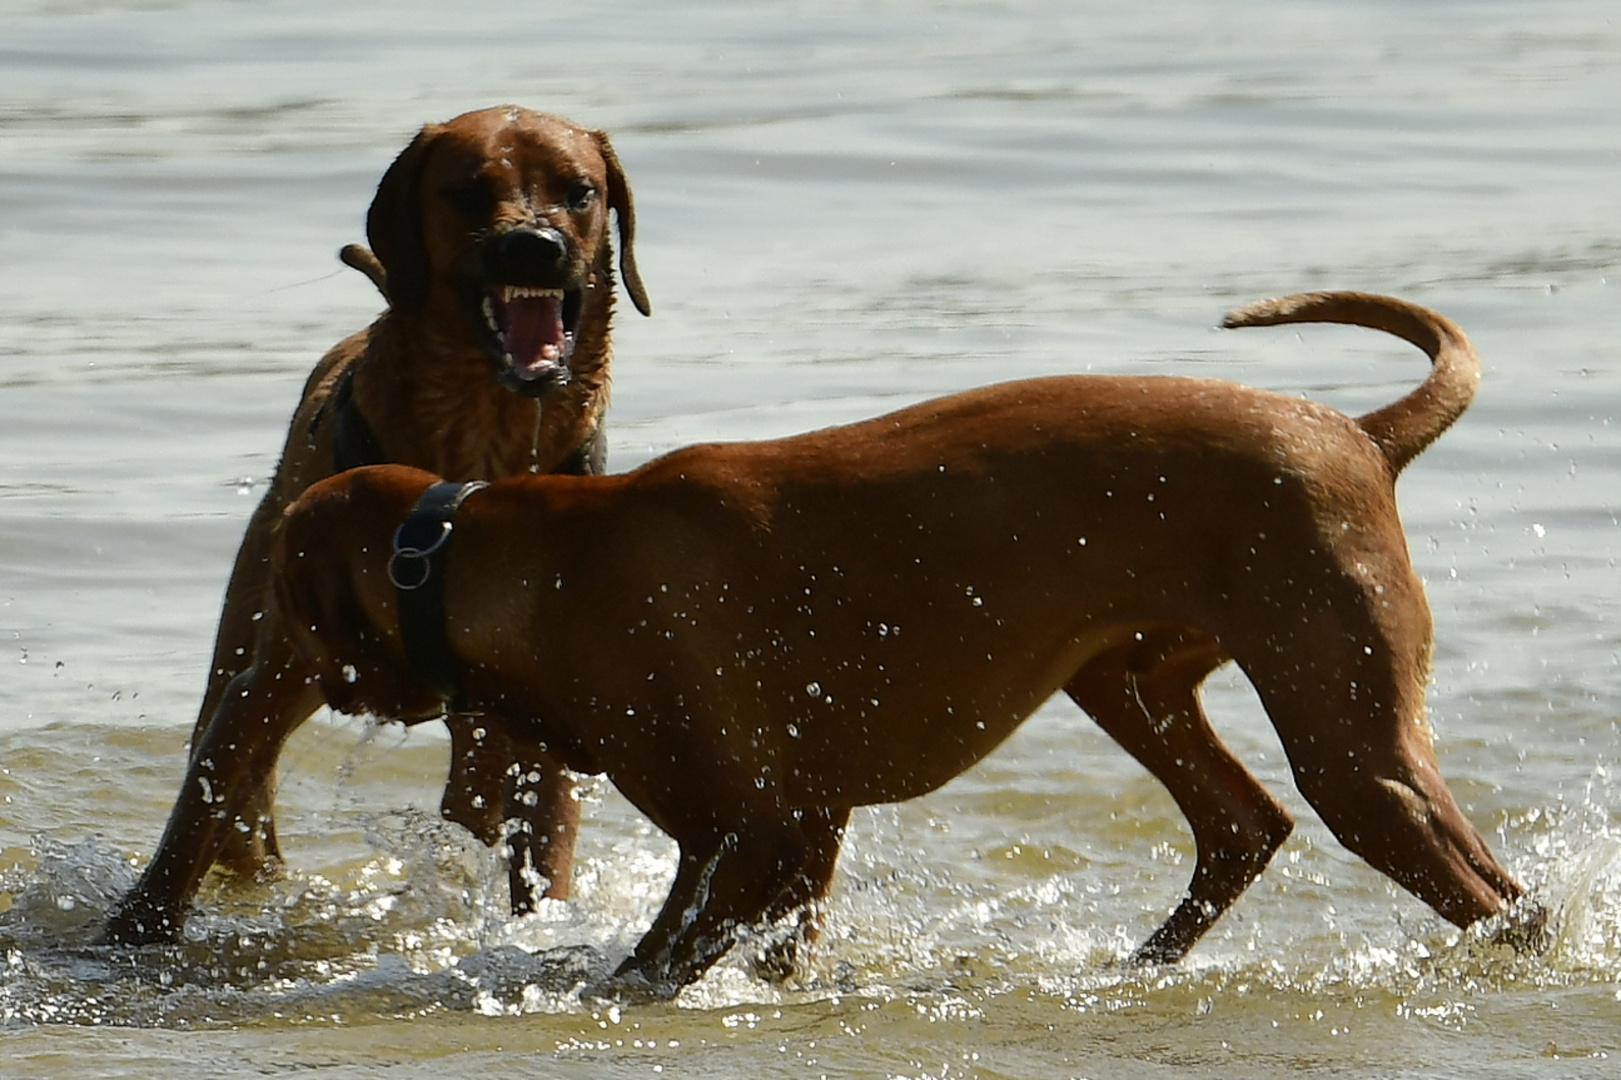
[253, 848]
[824, 830]
[543, 811]
[262, 706]
[724, 883]
[496, 777]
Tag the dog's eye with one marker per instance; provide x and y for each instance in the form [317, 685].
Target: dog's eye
[580, 195]
[471, 197]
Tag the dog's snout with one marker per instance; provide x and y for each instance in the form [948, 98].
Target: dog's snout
[520, 255]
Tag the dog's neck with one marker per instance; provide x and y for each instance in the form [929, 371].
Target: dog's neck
[442, 382]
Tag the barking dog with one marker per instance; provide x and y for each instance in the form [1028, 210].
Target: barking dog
[752, 639]
[493, 248]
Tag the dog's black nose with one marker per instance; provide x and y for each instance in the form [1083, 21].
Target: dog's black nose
[523, 254]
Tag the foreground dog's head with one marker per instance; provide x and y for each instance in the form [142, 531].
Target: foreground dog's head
[342, 619]
[496, 222]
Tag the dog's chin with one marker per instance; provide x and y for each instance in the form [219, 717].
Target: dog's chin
[528, 334]
[379, 692]
[527, 381]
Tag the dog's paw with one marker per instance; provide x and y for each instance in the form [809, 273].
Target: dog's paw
[631, 985]
[138, 922]
[1527, 929]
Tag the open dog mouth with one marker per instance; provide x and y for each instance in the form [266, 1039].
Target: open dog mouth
[529, 333]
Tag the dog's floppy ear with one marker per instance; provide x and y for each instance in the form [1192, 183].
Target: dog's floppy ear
[624, 209]
[394, 225]
[316, 588]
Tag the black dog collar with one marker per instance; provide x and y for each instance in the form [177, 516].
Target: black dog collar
[417, 571]
[353, 442]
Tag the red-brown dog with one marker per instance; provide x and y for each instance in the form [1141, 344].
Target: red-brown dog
[493, 248]
[752, 639]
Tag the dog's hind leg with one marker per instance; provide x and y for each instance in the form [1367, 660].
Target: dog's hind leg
[1350, 710]
[1145, 695]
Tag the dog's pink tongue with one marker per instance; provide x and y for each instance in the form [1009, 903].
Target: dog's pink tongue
[533, 329]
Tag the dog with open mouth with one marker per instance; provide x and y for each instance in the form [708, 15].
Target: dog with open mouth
[491, 240]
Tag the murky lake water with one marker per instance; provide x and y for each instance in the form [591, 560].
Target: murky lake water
[842, 208]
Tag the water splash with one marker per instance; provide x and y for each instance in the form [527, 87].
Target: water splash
[418, 927]
[416, 923]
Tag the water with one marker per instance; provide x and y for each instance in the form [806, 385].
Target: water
[842, 208]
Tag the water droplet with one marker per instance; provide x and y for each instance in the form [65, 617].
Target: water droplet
[349, 673]
[814, 689]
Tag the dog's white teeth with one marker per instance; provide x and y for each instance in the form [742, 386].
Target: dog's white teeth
[489, 315]
[514, 292]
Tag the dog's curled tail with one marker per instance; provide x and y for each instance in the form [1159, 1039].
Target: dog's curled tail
[359, 257]
[1406, 426]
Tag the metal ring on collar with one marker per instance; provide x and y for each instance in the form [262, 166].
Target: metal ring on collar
[421, 557]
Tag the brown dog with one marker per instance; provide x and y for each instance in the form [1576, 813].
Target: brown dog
[752, 639]
[493, 249]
